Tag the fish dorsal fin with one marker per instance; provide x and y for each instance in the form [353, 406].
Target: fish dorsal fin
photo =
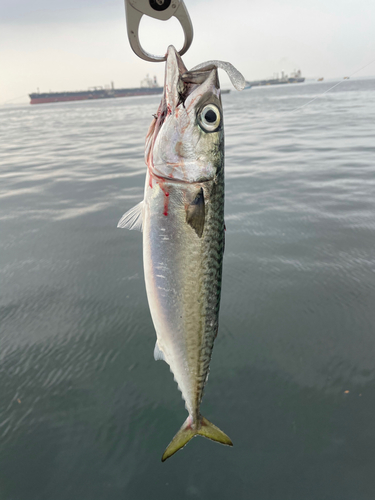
[158, 353]
[133, 218]
[195, 213]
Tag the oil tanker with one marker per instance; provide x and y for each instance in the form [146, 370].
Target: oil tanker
[295, 77]
[149, 86]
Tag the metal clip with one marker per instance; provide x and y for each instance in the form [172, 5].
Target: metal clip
[159, 9]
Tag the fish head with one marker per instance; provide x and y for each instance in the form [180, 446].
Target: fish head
[185, 141]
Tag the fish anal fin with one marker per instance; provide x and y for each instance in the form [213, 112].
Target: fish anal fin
[203, 428]
[158, 353]
[195, 213]
[133, 218]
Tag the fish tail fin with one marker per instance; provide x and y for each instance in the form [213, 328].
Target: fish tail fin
[182, 438]
[210, 431]
[187, 432]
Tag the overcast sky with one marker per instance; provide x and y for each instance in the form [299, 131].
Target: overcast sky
[75, 44]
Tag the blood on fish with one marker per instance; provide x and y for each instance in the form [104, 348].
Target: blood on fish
[166, 204]
[166, 196]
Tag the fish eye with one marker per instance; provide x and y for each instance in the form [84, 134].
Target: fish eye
[209, 118]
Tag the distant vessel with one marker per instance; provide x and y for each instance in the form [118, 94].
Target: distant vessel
[320, 79]
[149, 86]
[295, 77]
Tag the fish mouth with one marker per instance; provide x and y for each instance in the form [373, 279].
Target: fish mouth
[179, 84]
[174, 68]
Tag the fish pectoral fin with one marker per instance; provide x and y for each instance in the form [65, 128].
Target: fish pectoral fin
[133, 218]
[158, 353]
[195, 213]
[204, 428]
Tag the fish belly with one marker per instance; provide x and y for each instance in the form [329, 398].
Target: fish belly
[183, 279]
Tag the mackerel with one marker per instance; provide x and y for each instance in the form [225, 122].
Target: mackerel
[182, 219]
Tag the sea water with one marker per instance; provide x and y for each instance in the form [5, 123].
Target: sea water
[85, 411]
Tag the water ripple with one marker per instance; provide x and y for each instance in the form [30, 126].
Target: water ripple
[82, 401]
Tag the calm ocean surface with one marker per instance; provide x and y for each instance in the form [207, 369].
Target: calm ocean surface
[85, 411]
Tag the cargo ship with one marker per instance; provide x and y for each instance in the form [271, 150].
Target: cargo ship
[295, 77]
[149, 86]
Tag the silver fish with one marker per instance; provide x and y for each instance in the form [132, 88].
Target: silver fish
[182, 218]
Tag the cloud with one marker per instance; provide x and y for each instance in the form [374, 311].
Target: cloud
[55, 12]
